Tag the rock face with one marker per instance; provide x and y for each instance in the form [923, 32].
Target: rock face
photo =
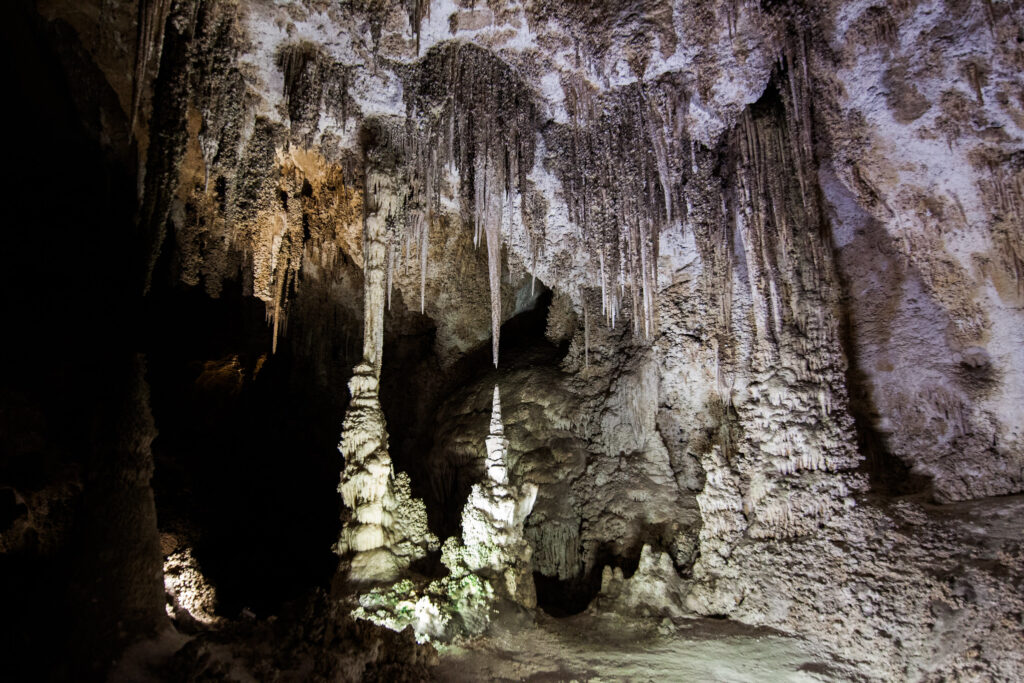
[929, 239]
[190, 595]
[749, 275]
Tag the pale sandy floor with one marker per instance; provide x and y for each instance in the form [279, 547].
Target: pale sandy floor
[588, 648]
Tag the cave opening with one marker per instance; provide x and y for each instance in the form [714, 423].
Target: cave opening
[565, 598]
[561, 598]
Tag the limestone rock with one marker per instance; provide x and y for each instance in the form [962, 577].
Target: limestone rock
[190, 597]
[492, 522]
[654, 590]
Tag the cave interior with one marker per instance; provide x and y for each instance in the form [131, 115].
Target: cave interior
[514, 340]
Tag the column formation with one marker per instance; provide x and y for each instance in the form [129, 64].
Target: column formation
[387, 529]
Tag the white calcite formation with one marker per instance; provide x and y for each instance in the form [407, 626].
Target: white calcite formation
[493, 545]
[491, 564]
[190, 597]
[388, 528]
[653, 591]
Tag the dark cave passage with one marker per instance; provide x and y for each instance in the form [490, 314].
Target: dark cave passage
[565, 598]
[246, 458]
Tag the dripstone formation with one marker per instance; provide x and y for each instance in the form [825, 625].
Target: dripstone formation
[515, 338]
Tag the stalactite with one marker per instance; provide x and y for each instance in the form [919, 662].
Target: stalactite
[391, 271]
[282, 270]
[468, 111]
[152, 18]
[379, 204]
[615, 164]
[313, 84]
[533, 275]
[277, 321]
[586, 333]
[418, 10]
[494, 277]
[604, 293]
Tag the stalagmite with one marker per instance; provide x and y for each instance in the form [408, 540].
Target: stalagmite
[492, 520]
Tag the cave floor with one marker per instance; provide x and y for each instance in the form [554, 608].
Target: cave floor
[607, 647]
[593, 648]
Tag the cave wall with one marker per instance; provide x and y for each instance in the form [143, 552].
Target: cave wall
[79, 542]
[924, 182]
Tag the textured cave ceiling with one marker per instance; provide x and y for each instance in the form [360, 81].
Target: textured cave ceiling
[620, 340]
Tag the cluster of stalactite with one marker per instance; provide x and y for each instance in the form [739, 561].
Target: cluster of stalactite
[623, 161]
[240, 191]
[1004, 191]
[781, 222]
[313, 82]
[469, 117]
[468, 113]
